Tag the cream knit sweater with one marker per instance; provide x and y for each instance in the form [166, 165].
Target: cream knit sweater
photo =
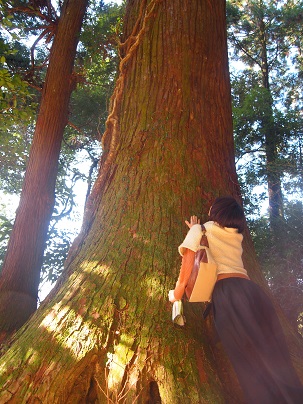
[225, 245]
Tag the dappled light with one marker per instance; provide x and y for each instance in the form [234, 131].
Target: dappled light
[78, 335]
[105, 334]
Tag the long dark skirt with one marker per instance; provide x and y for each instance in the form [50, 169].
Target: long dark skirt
[252, 336]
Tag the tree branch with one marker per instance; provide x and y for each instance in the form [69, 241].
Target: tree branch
[259, 149]
[241, 48]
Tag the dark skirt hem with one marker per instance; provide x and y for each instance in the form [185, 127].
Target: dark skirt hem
[252, 336]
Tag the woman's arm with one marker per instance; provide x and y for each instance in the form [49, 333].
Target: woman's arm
[185, 271]
[186, 267]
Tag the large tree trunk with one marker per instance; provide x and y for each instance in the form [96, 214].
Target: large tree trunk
[21, 268]
[105, 333]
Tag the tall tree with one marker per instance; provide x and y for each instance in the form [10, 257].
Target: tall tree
[95, 68]
[263, 37]
[104, 334]
[266, 37]
[21, 268]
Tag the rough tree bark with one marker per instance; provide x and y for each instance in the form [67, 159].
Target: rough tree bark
[105, 334]
[20, 274]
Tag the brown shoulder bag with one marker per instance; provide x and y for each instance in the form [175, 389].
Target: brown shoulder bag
[203, 276]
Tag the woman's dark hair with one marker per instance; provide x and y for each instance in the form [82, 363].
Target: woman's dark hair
[227, 213]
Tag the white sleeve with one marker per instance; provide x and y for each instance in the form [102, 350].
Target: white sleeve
[192, 239]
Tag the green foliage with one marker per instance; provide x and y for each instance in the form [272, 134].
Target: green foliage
[266, 114]
[6, 224]
[17, 102]
[15, 143]
[250, 105]
[95, 73]
[284, 272]
[266, 37]
[96, 67]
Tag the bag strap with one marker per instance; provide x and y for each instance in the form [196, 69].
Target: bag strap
[204, 241]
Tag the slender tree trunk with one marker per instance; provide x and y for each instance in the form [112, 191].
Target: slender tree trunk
[105, 332]
[21, 268]
[276, 211]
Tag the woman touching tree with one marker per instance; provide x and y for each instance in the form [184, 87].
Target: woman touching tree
[244, 316]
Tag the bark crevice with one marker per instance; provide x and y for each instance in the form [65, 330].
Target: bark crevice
[110, 138]
[154, 393]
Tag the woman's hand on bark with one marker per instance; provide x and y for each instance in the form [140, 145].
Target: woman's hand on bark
[193, 220]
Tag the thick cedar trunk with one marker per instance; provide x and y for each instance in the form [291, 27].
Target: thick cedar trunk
[21, 269]
[105, 333]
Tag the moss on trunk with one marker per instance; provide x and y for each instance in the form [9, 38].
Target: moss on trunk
[105, 333]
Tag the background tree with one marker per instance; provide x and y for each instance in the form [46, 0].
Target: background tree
[95, 68]
[104, 333]
[21, 268]
[265, 36]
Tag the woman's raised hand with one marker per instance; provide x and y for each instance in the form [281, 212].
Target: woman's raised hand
[193, 220]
